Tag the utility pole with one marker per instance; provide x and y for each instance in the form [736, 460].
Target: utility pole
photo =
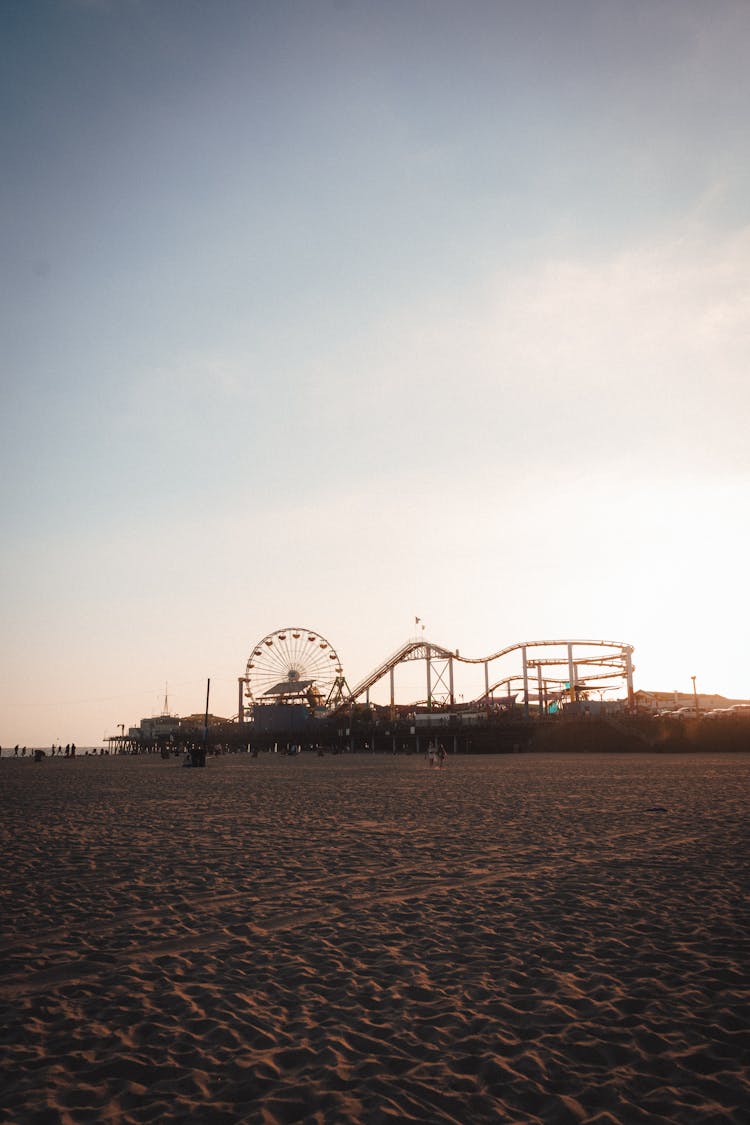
[202, 760]
[695, 697]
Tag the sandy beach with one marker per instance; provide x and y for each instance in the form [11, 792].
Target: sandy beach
[523, 938]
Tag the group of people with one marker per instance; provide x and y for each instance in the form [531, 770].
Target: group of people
[68, 752]
[436, 756]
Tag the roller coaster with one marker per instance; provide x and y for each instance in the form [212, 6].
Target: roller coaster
[296, 666]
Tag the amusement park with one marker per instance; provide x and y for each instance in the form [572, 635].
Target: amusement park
[294, 690]
[293, 694]
[294, 668]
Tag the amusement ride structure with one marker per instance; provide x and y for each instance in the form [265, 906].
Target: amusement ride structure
[298, 666]
[294, 666]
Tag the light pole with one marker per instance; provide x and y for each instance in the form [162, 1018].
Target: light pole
[695, 697]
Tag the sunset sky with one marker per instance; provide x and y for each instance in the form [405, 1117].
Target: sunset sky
[342, 313]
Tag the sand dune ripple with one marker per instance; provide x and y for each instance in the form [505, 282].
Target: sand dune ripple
[516, 939]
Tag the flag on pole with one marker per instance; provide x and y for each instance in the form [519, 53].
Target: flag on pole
[417, 620]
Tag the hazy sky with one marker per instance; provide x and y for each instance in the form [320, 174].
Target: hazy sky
[338, 313]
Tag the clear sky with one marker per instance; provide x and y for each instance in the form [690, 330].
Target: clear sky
[337, 313]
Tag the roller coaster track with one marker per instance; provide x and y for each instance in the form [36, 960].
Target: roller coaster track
[421, 649]
[412, 650]
[540, 644]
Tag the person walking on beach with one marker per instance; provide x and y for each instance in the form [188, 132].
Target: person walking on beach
[441, 756]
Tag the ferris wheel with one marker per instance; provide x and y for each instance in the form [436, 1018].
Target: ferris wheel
[293, 665]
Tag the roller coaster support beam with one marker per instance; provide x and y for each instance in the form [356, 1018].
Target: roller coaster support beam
[393, 696]
[629, 677]
[540, 690]
[440, 691]
[525, 663]
[571, 674]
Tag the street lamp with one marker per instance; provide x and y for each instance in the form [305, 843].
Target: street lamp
[695, 697]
